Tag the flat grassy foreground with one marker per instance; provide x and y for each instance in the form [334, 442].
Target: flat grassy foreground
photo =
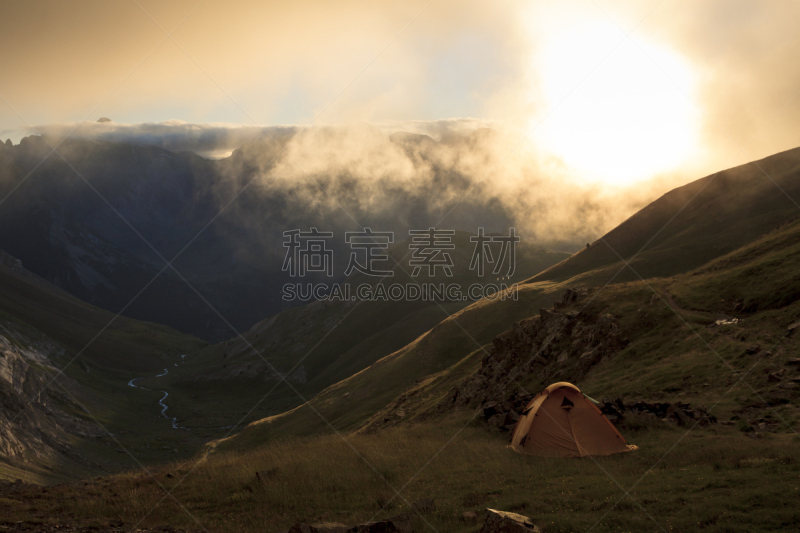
[710, 479]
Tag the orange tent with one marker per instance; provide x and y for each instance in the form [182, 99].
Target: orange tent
[562, 422]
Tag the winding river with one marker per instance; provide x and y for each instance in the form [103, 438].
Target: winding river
[164, 406]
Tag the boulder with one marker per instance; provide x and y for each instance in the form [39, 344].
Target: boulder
[490, 409]
[401, 524]
[497, 421]
[503, 522]
[675, 411]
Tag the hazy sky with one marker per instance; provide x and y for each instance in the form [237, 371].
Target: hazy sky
[696, 85]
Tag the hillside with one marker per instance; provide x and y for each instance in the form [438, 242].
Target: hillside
[745, 205]
[103, 222]
[721, 338]
[693, 224]
[74, 424]
[322, 343]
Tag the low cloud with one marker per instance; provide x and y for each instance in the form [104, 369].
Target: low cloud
[456, 173]
[208, 140]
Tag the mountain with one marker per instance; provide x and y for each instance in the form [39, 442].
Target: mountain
[102, 220]
[324, 342]
[700, 367]
[64, 369]
[687, 228]
[691, 225]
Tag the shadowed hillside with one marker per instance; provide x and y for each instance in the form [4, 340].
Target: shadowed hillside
[102, 222]
[55, 426]
[744, 208]
[693, 224]
[721, 338]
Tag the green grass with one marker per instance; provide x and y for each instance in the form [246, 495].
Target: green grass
[692, 225]
[100, 354]
[332, 341]
[716, 479]
[672, 350]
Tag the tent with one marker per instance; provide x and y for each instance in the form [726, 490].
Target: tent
[562, 422]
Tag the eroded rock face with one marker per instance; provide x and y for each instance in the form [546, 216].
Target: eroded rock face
[31, 426]
[553, 346]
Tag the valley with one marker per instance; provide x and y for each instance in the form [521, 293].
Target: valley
[384, 403]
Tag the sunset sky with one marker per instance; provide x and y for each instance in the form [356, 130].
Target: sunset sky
[619, 92]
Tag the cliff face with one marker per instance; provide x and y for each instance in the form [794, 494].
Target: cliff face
[33, 425]
[559, 344]
[544, 349]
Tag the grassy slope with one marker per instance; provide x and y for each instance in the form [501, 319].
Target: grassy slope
[723, 478]
[693, 224]
[326, 341]
[127, 348]
[720, 478]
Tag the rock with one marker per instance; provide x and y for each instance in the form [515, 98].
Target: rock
[424, 505]
[511, 418]
[590, 354]
[398, 524]
[325, 527]
[793, 361]
[470, 516]
[675, 411]
[490, 409]
[503, 522]
[792, 327]
[753, 349]
[497, 420]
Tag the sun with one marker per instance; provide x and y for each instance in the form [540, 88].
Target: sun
[615, 111]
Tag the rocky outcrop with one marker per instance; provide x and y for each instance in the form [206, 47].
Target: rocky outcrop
[681, 413]
[397, 524]
[32, 425]
[556, 345]
[504, 522]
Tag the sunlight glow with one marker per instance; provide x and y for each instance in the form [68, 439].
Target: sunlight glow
[628, 119]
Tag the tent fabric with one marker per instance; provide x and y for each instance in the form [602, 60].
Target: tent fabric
[562, 422]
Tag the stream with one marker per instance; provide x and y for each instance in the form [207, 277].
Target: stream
[164, 407]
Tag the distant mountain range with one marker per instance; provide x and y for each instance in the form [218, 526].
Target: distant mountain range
[102, 222]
